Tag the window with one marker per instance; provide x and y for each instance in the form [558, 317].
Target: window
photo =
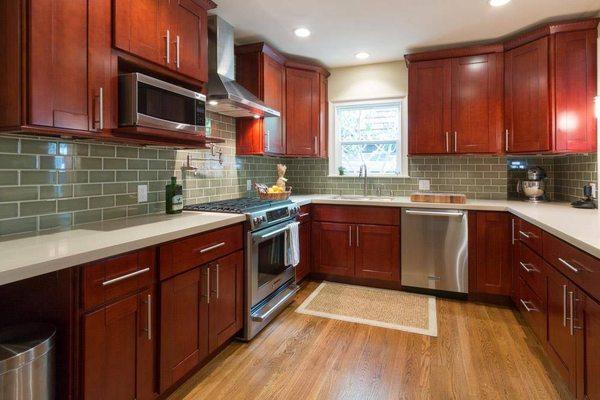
[367, 132]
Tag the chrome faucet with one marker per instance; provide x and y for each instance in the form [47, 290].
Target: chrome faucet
[360, 174]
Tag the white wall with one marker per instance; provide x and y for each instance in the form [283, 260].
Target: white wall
[364, 82]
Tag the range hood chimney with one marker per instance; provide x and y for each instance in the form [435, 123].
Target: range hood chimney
[225, 95]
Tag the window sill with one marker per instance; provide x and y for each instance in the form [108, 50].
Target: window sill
[370, 176]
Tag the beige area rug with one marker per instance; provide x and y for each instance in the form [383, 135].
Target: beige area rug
[371, 306]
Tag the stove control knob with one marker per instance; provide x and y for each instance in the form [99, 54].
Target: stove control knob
[256, 221]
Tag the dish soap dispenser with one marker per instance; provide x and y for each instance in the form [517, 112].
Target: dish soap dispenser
[174, 197]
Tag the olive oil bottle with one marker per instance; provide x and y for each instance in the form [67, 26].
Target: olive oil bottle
[173, 197]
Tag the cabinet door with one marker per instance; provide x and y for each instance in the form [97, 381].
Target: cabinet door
[429, 107]
[57, 64]
[493, 262]
[333, 248]
[323, 116]
[477, 103]
[118, 347]
[303, 268]
[378, 252]
[575, 76]
[527, 103]
[191, 39]
[590, 349]
[561, 343]
[226, 298]
[515, 258]
[274, 97]
[140, 28]
[302, 112]
[184, 325]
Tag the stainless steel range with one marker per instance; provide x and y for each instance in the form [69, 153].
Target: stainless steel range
[270, 283]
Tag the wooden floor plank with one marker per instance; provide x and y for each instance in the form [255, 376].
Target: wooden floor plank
[481, 352]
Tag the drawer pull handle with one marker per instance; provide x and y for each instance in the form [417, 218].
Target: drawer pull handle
[527, 266]
[568, 265]
[529, 309]
[210, 248]
[527, 235]
[122, 278]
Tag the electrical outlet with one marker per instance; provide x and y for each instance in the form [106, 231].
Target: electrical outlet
[424, 185]
[249, 185]
[142, 193]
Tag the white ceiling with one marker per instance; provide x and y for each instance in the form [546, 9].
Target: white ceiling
[387, 29]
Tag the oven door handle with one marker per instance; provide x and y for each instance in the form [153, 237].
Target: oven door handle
[274, 233]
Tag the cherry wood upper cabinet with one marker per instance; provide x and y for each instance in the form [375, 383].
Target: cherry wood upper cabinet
[527, 101]
[57, 64]
[140, 28]
[260, 69]
[492, 258]
[171, 33]
[575, 75]
[191, 39]
[306, 110]
[429, 107]
[477, 103]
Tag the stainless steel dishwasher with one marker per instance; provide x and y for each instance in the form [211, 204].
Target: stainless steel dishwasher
[435, 249]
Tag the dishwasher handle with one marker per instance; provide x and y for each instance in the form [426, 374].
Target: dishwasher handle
[436, 213]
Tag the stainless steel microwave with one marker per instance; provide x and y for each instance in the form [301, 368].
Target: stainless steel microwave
[145, 101]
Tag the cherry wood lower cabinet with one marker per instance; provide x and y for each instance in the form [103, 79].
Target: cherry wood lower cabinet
[119, 343]
[352, 249]
[200, 310]
[589, 349]
[490, 253]
[303, 268]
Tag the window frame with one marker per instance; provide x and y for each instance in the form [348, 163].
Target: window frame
[334, 150]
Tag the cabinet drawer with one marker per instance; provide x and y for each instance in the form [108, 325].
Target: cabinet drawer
[532, 270]
[356, 214]
[188, 253]
[580, 267]
[304, 215]
[531, 235]
[111, 278]
[533, 310]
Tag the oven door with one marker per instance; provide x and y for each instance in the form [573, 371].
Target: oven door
[268, 269]
[149, 102]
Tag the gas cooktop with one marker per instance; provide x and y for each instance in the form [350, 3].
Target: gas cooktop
[260, 213]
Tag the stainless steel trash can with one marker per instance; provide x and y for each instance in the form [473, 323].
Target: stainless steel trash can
[27, 362]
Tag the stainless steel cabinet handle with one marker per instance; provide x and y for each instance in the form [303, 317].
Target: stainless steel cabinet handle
[207, 285]
[564, 305]
[149, 311]
[123, 277]
[168, 43]
[506, 139]
[568, 265]
[209, 248]
[435, 213]
[217, 284]
[100, 119]
[455, 142]
[526, 235]
[357, 237]
[529, 309]
[316, 146]
[268, 140]
[525, 267]
[447, 143]
[349, 236]
[571, 313]
[513, 232]
[177, 51]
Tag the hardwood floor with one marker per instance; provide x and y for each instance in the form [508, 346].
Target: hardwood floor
[481, 352]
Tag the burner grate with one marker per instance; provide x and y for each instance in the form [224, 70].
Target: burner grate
[236, 206]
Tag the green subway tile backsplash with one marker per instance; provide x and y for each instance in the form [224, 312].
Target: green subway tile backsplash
[46, 184]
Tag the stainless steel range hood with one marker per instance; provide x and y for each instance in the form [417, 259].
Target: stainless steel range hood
[225, 95]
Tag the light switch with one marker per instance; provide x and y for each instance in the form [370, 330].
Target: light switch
[142, 193]
[424, 185]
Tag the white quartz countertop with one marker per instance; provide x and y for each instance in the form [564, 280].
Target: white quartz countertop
[29, 256]
[581, 228]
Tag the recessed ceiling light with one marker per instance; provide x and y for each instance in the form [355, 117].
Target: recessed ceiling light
[362, 55]
[213, 103]
[498, 3]
[256, 116]
[302, 32]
